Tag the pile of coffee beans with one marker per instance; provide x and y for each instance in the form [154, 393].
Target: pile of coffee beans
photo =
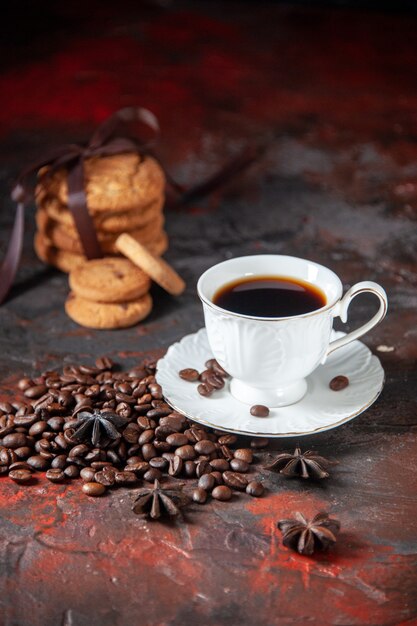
[36, 433]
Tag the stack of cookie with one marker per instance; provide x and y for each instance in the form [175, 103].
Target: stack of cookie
[113, 292]
[108, 293]
[125, 193]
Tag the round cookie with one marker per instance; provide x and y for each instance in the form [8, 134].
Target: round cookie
[116, 182]
[107, 221]
[67, 261]
[60, 237]
[156, 268]
[100, 315]
[109, 280]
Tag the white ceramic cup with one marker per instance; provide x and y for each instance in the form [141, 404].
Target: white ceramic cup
[269, 358]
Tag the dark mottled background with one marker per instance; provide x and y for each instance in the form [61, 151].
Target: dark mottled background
[329, 91]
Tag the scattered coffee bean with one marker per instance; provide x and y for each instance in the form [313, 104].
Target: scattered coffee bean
[227, 440]
[93, 489]
[38, 462]
[339, 382]
[189, 374]
[20, 475]
[87, 474]
[204, 446]
[72, 471]
[204, 389]
[235, 480]
[206, 482]
[125, 478]
[259, 410]
[177, 439]
[245, 454]
[152, 474]
[221, 465]
[187, 453]
[199, 495]
[255, 489]
[35, 391]
[238, 465]
[222, 492]
[55, 475]
[176, 465]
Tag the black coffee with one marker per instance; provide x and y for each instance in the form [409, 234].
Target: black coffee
[269, 296]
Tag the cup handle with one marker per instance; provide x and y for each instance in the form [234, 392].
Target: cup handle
[341, 310]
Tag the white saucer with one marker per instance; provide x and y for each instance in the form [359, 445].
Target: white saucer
[320, 409]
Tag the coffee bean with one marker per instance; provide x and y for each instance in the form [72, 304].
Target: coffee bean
[204, 446]
[204, 389]
[14, 440]
[56, 423]
[55, 475]
[217, 368]
[203, 467]
[220, 465]
[188, 374]
[218, 477]
[6, 407]
[20, 475]
[245, 454]
[259, 410]
[138, 468]
[214, 380]
[227, 453]
[149, 451]
[93, 489]
[35, 391]
[176, 465]
[24, 383]
[227, 440]
[87, 474]
[187, 452]
[125, 478]
[80, 450]
[105, 478]
[152, 474]
[339, 382]
[206, 482]
[160, 412]
[177, 439]
[20, 465]
[7, 456]
[145, 423]
[195, 434]
[199, 495]
[255, 489]
[72, 471]
[162, 446]
[4, 469]
[189, 469]
[237, 465]
[234, 480]
[59, 462]
[146, 437]
[104, 363]
[176, 424]
[38, 462]
[259, 442]
[159, 463]
[221, 492]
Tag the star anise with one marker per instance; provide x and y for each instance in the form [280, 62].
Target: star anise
[97, 428]
[304, 464]
[157, 501]
[305, 536]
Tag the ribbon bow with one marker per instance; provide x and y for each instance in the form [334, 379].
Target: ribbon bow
[107, 140]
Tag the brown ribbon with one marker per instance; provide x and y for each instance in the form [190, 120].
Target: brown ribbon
[107, 140]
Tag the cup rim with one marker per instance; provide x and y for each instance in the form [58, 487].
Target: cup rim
[219, 309]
